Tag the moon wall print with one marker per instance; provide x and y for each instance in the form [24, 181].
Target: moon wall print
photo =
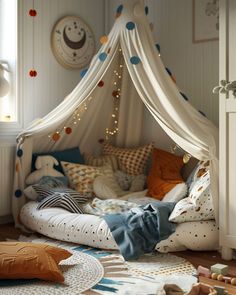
[73, 42]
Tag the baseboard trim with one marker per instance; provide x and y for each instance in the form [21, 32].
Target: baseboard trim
[6, 219]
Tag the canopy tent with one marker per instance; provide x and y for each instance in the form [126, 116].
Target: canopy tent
[129, 67]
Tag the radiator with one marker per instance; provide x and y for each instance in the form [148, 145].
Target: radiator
[7, 160]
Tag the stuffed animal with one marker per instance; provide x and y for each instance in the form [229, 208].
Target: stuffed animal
[44, 166]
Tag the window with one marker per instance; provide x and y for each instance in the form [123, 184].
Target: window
[8, 55]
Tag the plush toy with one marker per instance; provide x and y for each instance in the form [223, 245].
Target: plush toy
[44, 166]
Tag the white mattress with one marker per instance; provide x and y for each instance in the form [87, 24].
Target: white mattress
[93, 231]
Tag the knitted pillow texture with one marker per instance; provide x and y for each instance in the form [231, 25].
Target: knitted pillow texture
[19, 260]
[131, 160]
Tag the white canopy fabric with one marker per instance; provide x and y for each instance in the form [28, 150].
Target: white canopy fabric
[130, 47]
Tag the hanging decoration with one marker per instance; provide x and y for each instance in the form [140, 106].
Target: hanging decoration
[116, 94]
[67, 130]
[33, 13]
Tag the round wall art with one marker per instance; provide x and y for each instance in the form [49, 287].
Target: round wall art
[73, 42]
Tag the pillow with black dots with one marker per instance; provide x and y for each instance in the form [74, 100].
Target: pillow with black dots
[195, 236]
[199, 204]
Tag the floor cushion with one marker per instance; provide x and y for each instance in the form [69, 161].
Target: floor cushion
[19, 260]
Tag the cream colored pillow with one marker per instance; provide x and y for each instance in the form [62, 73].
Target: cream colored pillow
[107, 188]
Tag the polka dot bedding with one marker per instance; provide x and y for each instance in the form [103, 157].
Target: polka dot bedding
[92, 230]
[60, 224]
[194, 235]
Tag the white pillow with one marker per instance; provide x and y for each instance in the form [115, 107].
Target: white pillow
[196, 236]
[176, 194]
[198, 206]
[106, 187]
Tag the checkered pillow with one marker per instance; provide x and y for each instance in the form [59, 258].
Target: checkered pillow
[131, 160]
[81, 177]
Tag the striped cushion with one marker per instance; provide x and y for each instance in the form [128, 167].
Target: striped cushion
[81, 177]
[64, 201]
[131, 160]
[101, 161]
[44, 192]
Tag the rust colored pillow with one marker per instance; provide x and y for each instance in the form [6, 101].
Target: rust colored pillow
[19, 260]
[164, 173]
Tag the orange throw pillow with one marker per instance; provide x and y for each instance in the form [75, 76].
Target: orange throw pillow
[19, 260]
[164, 173]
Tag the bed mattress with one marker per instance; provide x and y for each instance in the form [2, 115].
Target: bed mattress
[93, 231]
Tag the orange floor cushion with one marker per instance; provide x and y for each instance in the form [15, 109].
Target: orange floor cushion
[164, 174]
[19, 260]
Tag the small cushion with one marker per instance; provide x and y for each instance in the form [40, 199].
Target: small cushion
[105, 187]
[19, 260]
[61, 201]
[176, 194]
[164, 173]
[132, 183]
[131, 160]
[47, 182]
[101, 161]
[198, 206]
[44, 192]
[81, 177]
[70, 155]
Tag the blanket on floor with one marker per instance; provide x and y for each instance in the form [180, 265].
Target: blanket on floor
[139, 230]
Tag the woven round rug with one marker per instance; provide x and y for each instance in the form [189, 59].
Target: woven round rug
[161, 264]
[81, 272]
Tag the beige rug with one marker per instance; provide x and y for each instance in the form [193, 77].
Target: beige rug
[106, 272]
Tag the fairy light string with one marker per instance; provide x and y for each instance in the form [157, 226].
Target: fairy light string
[113, 129]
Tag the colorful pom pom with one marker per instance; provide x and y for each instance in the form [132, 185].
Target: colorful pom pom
[83, 72]
[184, 96]
[135, 60]
[103, 39]
[68, 130]
[102, 56]
[116, 94]
[168, 71]
[18, 193]
[130, 25]
[56, 136]
[158, 47]
[32, 12]
[119, 9]
[201, 112]
[17, 167]
[100, 83]
[19, 153]
[33, 73]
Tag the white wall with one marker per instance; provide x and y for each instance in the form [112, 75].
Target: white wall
[194, 65]
[54, 82]
[41, 94]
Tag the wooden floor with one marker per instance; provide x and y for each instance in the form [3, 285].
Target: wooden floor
[205, 259]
